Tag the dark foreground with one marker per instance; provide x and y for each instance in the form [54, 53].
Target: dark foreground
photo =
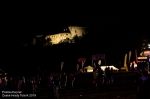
[122, 88]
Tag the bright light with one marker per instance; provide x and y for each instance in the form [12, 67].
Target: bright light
[89, 70]
[147, 53]
[142, 57]
[114, 68]
[148, 45]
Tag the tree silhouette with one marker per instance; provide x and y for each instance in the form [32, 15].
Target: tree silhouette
[39, 41]
[76, 39]
[25, 40]
[48, 42]
[65, 41]
[43, 42]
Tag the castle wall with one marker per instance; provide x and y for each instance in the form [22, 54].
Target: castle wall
[56, 38]
[75, 30]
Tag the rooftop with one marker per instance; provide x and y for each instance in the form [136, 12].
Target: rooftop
[58, 30]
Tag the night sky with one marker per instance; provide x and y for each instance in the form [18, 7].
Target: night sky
[28, 23]
[118, 32]
[124, 31]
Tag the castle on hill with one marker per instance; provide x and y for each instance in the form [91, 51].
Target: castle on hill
[66, 33]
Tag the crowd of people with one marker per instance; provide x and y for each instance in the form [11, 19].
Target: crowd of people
[103, 77]
[27, 85]
[55, 81]
[31, 84]
[58, 81]
[144, 66]
[142, 80]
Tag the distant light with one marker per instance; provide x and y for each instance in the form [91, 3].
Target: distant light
[89, 70]
[146, 53]
[104, 67]
[142, 57]
[148, 45]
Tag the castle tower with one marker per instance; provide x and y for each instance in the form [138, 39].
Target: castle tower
[76, 30]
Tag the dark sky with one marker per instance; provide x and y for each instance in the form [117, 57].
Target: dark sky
[27, 21]
[37, 18]
[120, 28]
[39, 22]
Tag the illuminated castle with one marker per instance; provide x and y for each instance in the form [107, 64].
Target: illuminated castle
[67, 33]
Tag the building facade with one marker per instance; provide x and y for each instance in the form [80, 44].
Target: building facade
[144, 59]
[145, 51]
[68, 32]
[57, 38]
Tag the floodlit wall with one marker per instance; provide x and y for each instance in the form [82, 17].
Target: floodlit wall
[74, 30]
[56, 38]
